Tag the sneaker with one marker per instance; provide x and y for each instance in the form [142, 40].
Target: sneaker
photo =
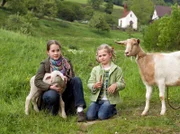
[81, 116]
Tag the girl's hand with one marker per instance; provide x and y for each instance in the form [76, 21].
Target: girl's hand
[97, 85]
[111, 89]
[65, 79]
[55, 87]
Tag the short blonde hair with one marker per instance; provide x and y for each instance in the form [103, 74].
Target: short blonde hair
[109, 50]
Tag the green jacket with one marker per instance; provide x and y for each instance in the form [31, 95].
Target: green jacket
[115, 76]
[45, 68]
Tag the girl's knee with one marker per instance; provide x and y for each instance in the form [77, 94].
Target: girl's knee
[50, 97]
[76, 80]
[102, 116]
[90, 116]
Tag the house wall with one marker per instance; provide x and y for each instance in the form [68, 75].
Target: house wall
[125, 22]
[155, 16]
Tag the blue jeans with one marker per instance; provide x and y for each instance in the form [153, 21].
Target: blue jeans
[100, 110]
[73, 97]
[51, 101]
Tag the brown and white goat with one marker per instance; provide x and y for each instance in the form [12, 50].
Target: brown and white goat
[161, 69]
[56, 77]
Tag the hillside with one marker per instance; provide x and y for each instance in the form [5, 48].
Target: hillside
[20, 56]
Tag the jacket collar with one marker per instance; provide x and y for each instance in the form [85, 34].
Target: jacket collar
[113, 67]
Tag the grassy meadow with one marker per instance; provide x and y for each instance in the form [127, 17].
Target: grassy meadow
[20, 56]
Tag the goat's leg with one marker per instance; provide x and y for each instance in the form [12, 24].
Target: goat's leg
[148, 97]
[27, 105]
[28, 99]
[33, 95]
[162, 88]
[62, 112]
[34, 102]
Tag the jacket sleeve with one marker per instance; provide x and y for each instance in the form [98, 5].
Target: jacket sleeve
[39, 78]
[71, 70]
[120, 80]
[92, 81]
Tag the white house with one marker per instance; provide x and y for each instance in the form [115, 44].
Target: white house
[128, 19]
[160, 11]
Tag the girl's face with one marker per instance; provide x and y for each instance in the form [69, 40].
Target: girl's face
[54, 52]
[104, 57]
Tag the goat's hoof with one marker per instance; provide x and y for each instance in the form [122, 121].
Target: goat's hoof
[143, 113]
[64, 116]
[36, 109]
[26, 113]
[162, 113]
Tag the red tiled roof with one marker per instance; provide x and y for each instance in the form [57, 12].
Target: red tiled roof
[125, 14]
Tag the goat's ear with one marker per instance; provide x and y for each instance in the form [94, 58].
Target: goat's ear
[61, 76]
[138, 41]
[121, 42]
[48, 77]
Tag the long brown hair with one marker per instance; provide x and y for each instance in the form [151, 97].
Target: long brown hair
[50, 42]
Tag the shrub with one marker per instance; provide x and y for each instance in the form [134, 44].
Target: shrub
[70, 11]
[98, 21]
[164, 33]
[22, 24]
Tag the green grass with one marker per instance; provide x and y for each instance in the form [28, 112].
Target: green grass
[20, 56]
[79, 1]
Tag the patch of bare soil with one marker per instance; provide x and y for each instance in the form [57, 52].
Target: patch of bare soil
[84, 125]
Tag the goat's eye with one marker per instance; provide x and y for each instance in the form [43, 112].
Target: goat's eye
[58, 75]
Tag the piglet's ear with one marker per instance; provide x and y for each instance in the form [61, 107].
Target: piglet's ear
[61, 76]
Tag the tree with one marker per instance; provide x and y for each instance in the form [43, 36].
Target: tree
[109, 7]
[88, 12]
[150, 35]
[159, 2]
[3, 3]
[164, 34]
[38, 7]
[95, 3]
[143, 9]
[67, 14]
[118, 2]
[18, 6]
[98, 21]
[70, 11]
[171, 1]
[169, 30]
[43, 7]
[109, 19]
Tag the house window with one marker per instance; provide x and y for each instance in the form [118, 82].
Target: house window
[130, 15]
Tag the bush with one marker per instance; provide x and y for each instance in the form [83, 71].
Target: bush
[98, 21]
[67, 14]
[70, 11]
[151, 34]
[164, 33]
[18, 6]
[22, 24]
